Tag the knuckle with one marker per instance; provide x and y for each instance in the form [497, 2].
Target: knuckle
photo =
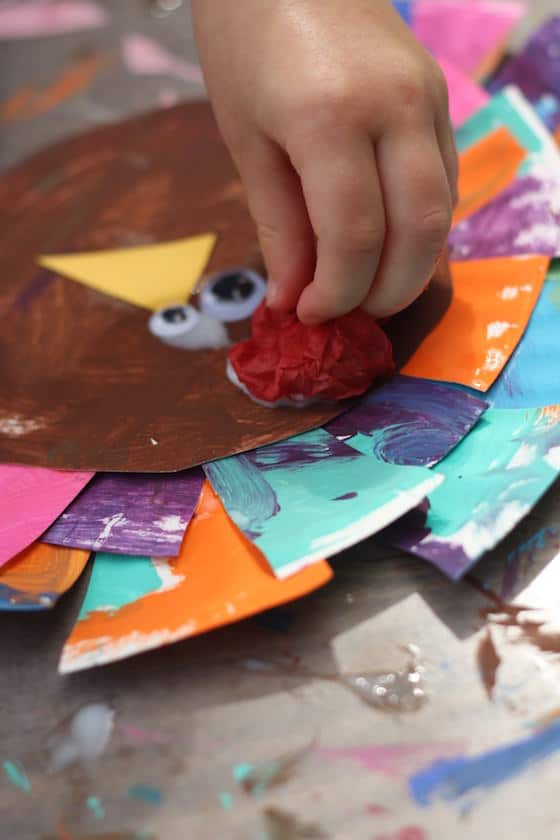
[411, 92]
[267, 232]
[432, 226]
[359, 235]
[320, 108]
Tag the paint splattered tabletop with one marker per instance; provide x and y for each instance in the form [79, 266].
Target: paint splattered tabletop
[392, 704]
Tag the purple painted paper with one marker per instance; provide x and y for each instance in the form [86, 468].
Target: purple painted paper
[408, 421]
[523, 219]
[536, 71]
[144, 515]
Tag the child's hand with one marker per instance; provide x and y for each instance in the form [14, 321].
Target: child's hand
[338, 122]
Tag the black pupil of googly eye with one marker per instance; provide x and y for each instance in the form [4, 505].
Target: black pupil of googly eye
[174, 315]
[232, 287]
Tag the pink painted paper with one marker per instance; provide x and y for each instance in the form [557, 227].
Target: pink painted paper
[465, 96]
[144, 56]
[31, 498]
[465, 32]
[38, 18]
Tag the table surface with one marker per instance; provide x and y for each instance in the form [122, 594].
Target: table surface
[187, 714]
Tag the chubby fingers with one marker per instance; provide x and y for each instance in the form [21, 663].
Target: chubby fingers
[418, 205]
[278, 208]
[345, 207]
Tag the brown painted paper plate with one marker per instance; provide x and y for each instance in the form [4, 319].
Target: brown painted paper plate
[83, 383]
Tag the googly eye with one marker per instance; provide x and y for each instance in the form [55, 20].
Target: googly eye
[183, 326]
[232, 295]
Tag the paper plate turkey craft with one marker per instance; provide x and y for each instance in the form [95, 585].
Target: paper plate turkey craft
[128, 219]
[134, 214]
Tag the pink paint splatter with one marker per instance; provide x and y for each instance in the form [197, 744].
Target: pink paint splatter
[395, 760]
[410, 832]
[377, 810]
[39, 18]
[143, 737]
[144, 56]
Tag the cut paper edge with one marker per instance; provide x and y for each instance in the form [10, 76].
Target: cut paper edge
[456, 553]
[149, 276]
[361, 529]
[38, 576]
[190, 604]
[429, 360]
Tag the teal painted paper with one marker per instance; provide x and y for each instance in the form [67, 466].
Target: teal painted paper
[117, 580]
[511, 110]
[311, 496]
[492, 480]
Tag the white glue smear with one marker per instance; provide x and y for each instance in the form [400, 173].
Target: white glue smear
[296, 401]
[85, 740]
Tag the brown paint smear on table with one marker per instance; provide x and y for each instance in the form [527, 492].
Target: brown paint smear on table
[110, 396]
[515, 615]
[30, 102]
[488, 661]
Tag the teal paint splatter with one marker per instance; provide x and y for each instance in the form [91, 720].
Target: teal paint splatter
[146, 793]
[95, 806]
[117, 581]
[226, 800]
[17, 776]
[241, 772]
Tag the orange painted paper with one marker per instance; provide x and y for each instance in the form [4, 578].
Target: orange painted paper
[42, 572]
[486, 169]
[491, 305]
[221, 578]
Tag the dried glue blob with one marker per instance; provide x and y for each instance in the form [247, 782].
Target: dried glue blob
[288, 363]
[184, 327]
[232, 295]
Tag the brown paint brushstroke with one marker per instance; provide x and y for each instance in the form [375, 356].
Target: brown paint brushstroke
[488, 661]
[510, 615]
[29, 102]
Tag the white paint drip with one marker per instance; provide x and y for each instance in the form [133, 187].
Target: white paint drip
[169, 579]
[17, 426]
[547, 236]
[497, 328]
[476, 537]
[508, 293]
[495, 359]
[109, 523]
[552, 458]
[524, 457]
[171, 524]
[81, 655]
[86, 739]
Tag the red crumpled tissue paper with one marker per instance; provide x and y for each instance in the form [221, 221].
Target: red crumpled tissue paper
[287, 362]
